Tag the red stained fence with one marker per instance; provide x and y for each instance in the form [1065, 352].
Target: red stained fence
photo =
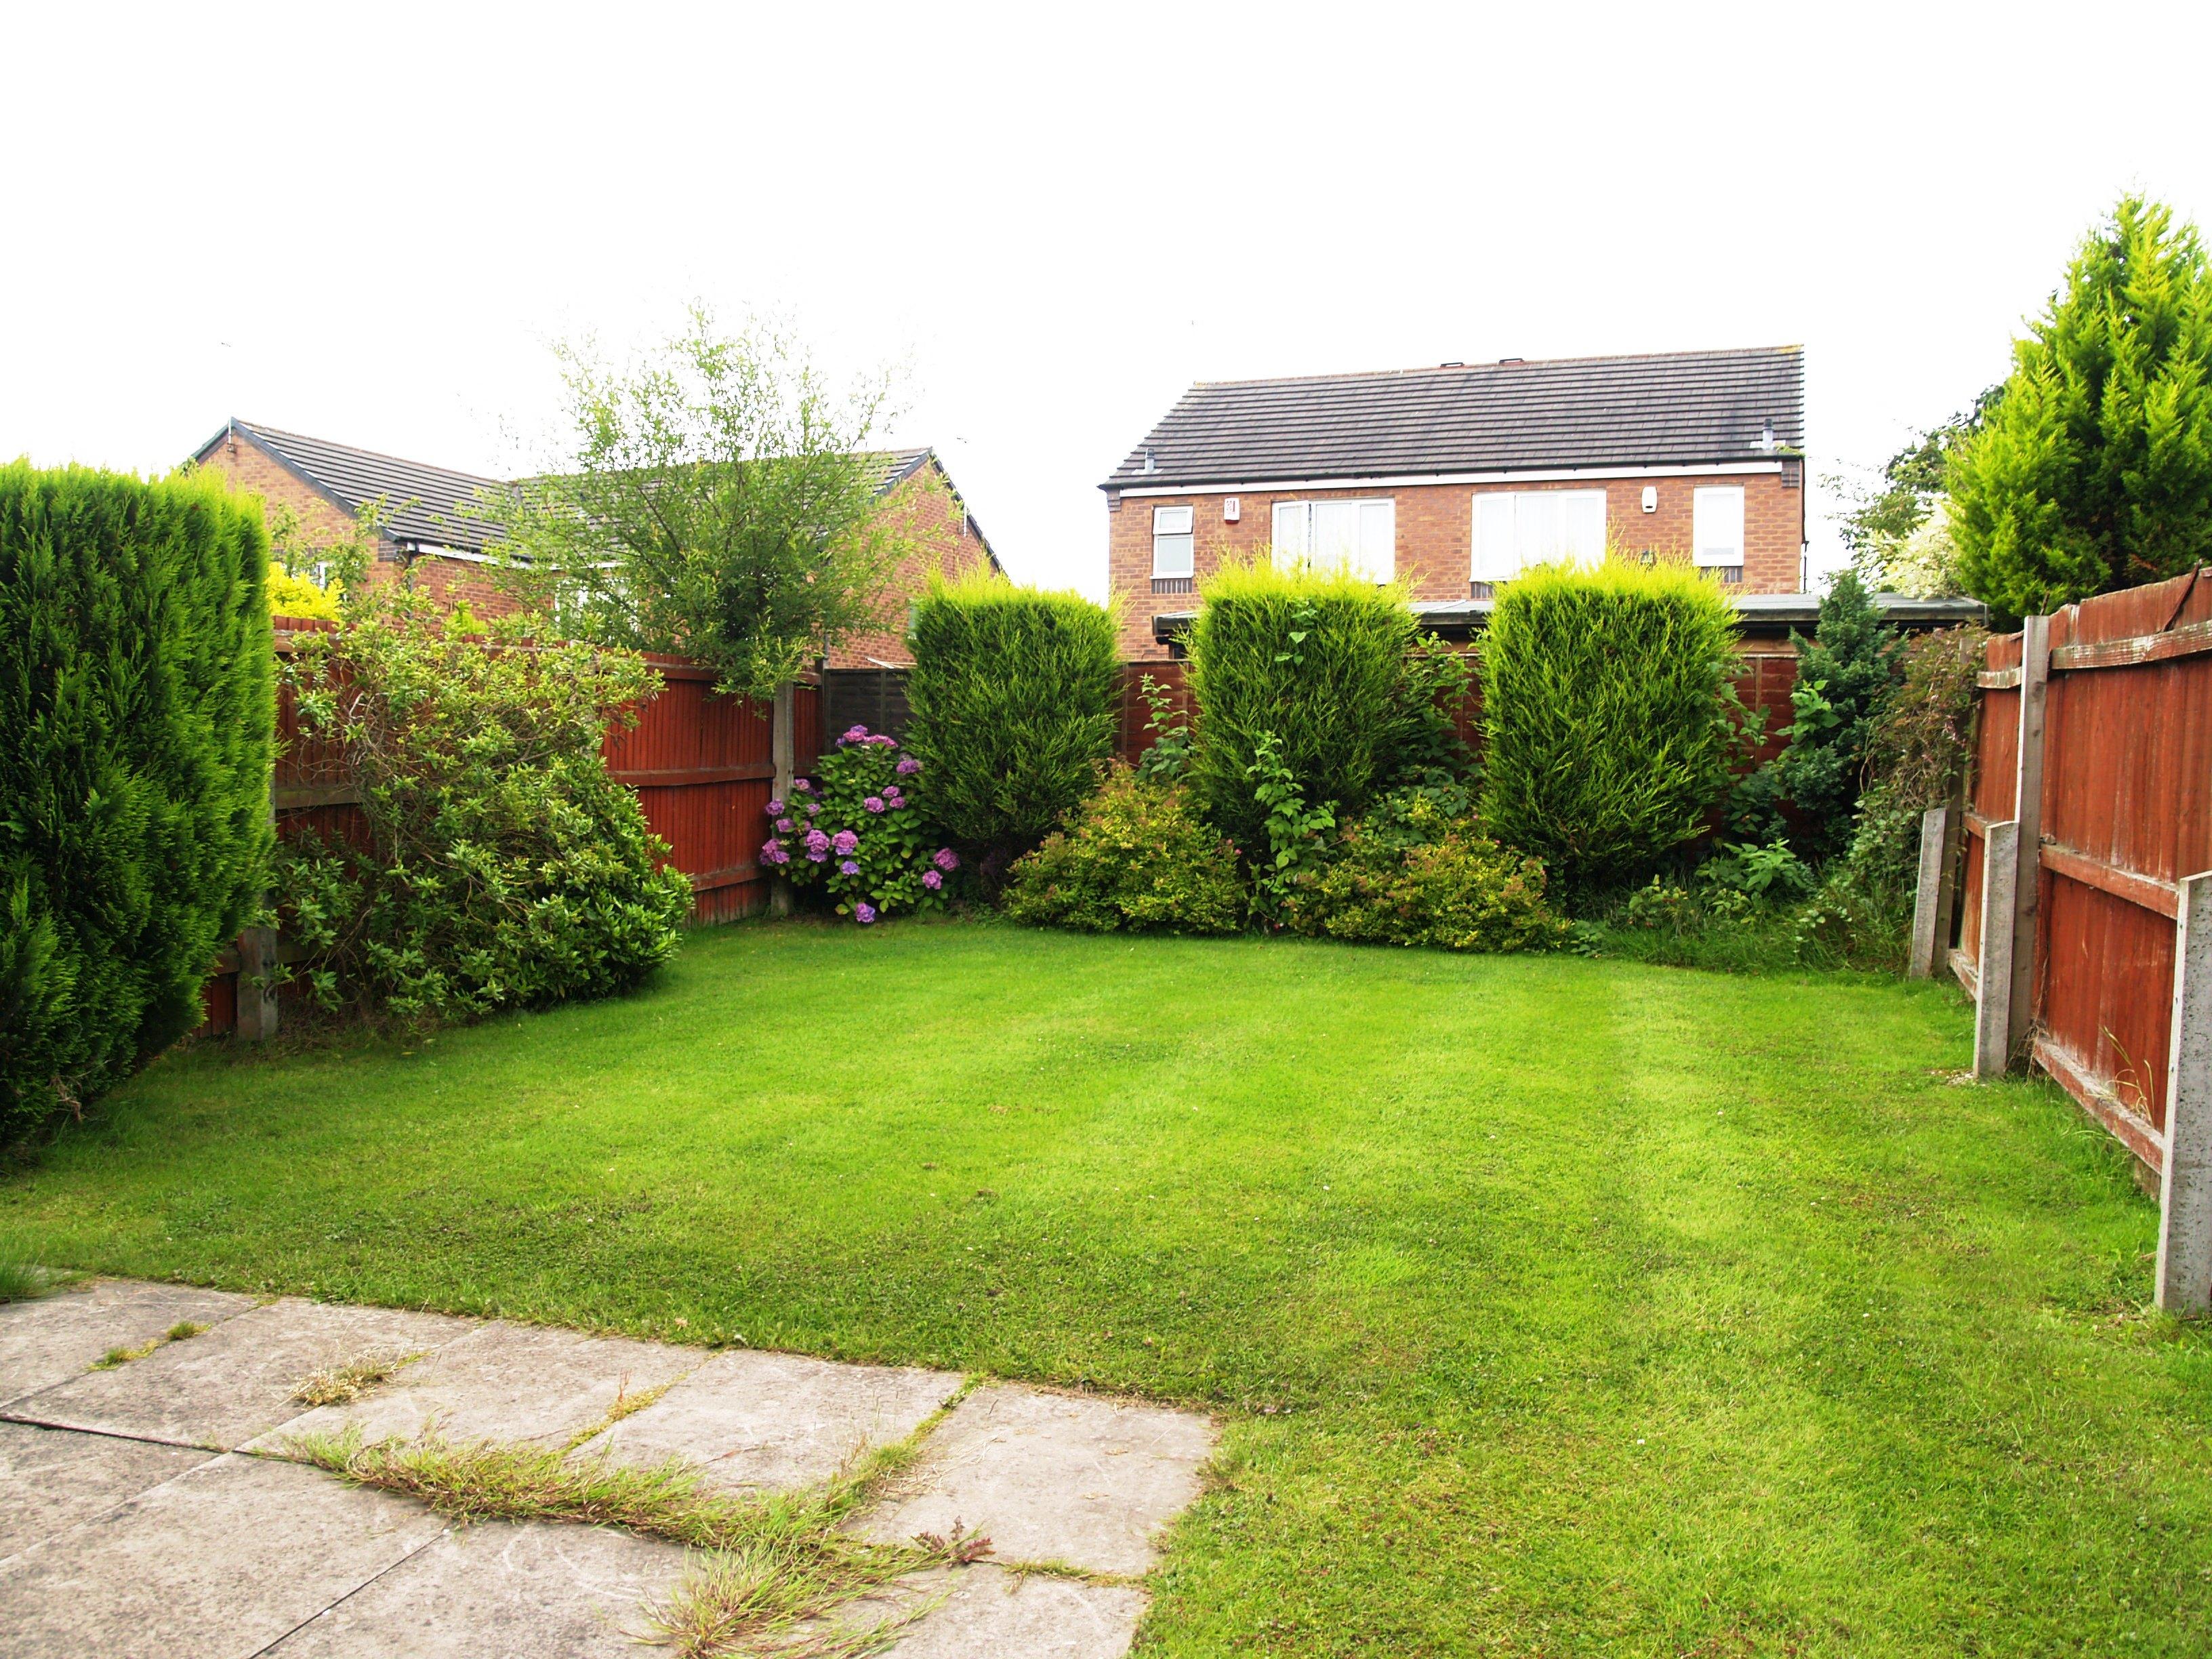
[2123, 783]
[703, 767]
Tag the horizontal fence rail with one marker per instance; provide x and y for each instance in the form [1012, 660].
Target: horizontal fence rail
[2085, 873]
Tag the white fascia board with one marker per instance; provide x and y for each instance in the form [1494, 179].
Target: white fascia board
[1541, 474]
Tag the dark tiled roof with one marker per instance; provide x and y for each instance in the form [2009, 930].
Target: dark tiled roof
[1681, 408]
[422, 503]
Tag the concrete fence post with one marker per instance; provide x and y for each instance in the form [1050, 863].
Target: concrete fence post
[1993, 985]
[2028, 811]
[1931, 899]
[784, 748]
[2185, 1215]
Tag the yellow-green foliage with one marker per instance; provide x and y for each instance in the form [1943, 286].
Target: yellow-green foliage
[1316, 656]
[291, 595]
[1012, 693]
[1136, 856]
[1417, 870]
[1606, 711]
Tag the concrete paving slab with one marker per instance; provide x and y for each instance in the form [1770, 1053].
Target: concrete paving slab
[1053, 1477]
[235, 1382]
[51, 1339]
[755, 1421]
[52, 1478]
[509, 1382]
[218, 1564]
[988, 1611]
[501, 1591]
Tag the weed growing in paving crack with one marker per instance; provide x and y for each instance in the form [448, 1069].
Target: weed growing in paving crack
[343, 1384]
[773, 1571]
[181, 1331]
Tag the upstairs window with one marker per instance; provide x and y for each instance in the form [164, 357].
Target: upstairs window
[1361, 536]
[1517, 528]
[1173, 543]
[1716, 516]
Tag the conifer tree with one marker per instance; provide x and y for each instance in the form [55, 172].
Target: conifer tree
[2093, 470]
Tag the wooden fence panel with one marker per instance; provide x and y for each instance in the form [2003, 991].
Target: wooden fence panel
[2126, 816]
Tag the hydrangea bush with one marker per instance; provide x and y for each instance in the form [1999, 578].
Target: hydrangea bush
[853, 829]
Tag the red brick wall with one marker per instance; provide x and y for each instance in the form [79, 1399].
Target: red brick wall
[926, 508]
[1436, 534]
[251, 468]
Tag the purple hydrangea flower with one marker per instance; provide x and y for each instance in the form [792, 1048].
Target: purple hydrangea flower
[811, 806]
[884, 742]
[776, 809]
[805, 786]
[816, 842]
[772, 852]
[845, 840]
[784, 826]
[909, 765]
[874, 803]
[854, 734]
[894, 794]
[932, 880]
[945, 858]
[864, 913]
[814, 857]
[849, 867]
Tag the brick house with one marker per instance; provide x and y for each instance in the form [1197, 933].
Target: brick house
[1451, 479]
[428, 530]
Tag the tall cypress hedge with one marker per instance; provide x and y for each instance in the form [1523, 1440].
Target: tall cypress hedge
[136, 722]
[1606, 715]
[1317, 657]
[1013, 700]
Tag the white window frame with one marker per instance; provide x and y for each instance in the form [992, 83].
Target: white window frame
[1175, 538]
[1711, 508]
[1493, 559]
[1378, 561]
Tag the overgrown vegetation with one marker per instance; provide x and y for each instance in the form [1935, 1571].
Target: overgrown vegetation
[1416, 869]
[716, 499]
[501, 865]
[2093, 470]
[1318, 660]
[1138, 856]
[774, 1567]
[1013, 695]
[346, 1380]
[1845, 673]
[136, 724]
[854, 832]
[1607, 699]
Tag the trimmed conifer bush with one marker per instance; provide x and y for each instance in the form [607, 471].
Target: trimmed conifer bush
[1606, 711]
[1318, 658]
[137, 722]
[1011, 701]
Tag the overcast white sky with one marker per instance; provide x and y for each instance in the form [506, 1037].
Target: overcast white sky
[368, 222]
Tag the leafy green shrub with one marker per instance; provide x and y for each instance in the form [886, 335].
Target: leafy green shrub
[1918, 751]
[1012, 697]
[1295, 831]
[854, 831]
[136, 722]
[1765, 874]
[1417, 870]
[502, 866]
[1316, 658]
[1136, 856]
[1844, 676]
[1606, 708]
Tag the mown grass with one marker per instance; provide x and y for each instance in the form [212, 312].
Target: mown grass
[1552, 1306]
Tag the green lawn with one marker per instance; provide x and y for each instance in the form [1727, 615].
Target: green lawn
[1552, 1306]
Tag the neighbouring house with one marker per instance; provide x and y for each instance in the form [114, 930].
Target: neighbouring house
[1452, 479]
[428, 529]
